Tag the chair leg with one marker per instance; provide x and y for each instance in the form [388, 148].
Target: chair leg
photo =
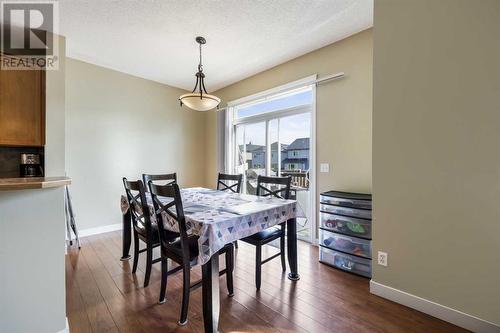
[164, 276]
[136, 253]
[186, 283]
[258, 265]
[229, 271]
[149, 264]
[282, 251]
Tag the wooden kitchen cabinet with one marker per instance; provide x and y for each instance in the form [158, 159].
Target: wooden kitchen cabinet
[22, 107]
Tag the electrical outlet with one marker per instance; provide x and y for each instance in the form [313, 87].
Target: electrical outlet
[324, 167]
[382, 258]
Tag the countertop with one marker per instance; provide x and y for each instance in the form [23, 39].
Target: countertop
[12, 184]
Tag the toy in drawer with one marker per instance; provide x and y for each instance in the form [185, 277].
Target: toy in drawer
[346, 211]
[352, 245]
[346, 225]
[346, 262]
[352, 200]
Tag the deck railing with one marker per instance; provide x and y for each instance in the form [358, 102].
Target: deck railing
[299, 178]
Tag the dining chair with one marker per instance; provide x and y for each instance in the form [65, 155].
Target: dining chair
[185, 250]
[223, 182]
[278, 187]
[168, 178]
[143, 228]
[161, 179]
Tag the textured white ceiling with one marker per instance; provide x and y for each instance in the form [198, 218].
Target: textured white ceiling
[154, 39]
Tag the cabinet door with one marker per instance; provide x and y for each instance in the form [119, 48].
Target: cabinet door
[22, 108]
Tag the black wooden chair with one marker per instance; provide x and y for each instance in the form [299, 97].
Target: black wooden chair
[143, 228]
[280, 188]
[166, 178]
[223, 182]
[161, 179]
[183, 251]
[226, 182]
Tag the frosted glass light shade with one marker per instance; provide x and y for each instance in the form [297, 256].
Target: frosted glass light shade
[193, 101]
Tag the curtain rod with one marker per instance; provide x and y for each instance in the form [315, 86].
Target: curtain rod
[316, 82]
[328, 78]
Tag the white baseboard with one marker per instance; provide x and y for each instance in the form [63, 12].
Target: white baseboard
[100, 230]
[434, 309]
[66, 329]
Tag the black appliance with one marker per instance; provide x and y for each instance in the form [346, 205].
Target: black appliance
[31, 165]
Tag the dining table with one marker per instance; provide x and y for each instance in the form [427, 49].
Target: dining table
[219, 218]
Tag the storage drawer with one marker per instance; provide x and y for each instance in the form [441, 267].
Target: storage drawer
[353, 203]
[346, 262]
[362, 213]
[346, 225]
[353, 245]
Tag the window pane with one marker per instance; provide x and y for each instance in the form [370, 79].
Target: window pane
[275, 153]
[275, 104]
[255, 154]
[240, 157]
[295, 133]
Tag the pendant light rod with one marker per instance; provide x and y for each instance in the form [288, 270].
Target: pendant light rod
[200, 41]
[200, 77]
[316, 82]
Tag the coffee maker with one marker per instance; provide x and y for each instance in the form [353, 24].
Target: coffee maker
[31, 165]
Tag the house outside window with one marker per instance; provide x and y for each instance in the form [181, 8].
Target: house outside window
[297, 155]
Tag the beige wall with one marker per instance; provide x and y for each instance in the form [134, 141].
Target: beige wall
[436, 167]
[344, 109]
[119, 126]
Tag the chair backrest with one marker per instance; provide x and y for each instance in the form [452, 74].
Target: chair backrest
[158, 195]
[166, 178]
[278, 187]
[139, 209]
[223, 182]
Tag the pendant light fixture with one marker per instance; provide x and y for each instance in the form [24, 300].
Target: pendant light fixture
[199, 99]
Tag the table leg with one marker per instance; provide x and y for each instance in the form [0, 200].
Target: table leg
[291, 226]
[127, 235]
[210, 285]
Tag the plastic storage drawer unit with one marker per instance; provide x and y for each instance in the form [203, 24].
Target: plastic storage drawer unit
[346, 225]
[346, 262]
[354, 200]
[346, 211]
[352, 245]
[346, 231]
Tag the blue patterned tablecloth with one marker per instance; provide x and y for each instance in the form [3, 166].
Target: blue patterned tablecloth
[221, 217]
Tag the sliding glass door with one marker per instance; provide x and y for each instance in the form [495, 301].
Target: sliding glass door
[273, 138]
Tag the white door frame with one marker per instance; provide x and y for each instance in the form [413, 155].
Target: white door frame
[230, 137]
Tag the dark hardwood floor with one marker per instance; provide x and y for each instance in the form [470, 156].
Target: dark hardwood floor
[103, 296]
